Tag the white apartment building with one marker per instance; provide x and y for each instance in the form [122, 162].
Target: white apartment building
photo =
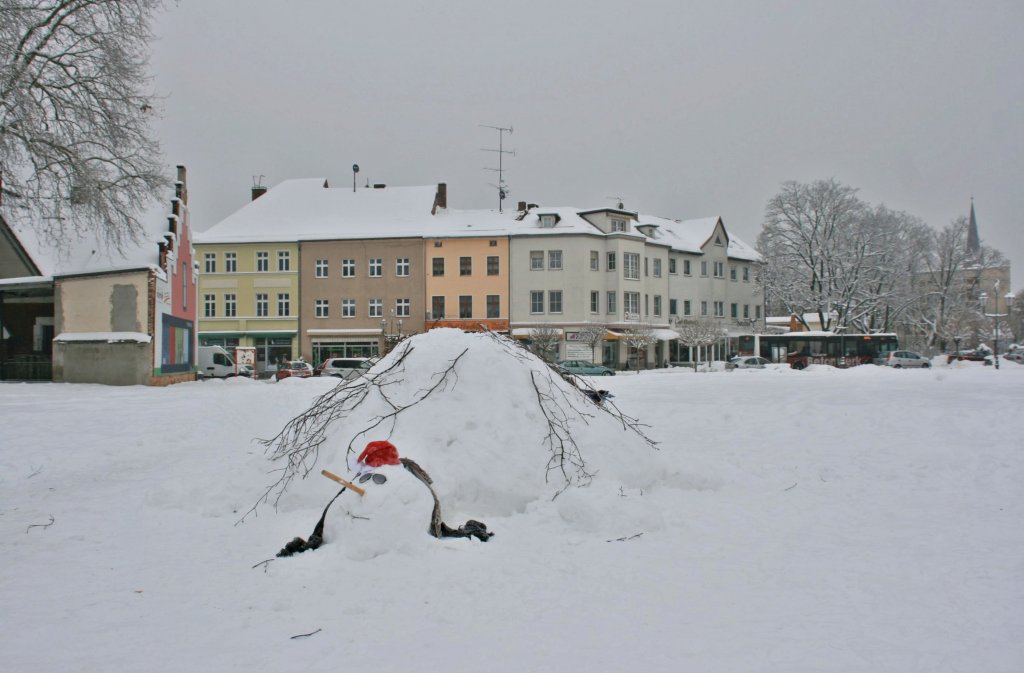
[631, 274]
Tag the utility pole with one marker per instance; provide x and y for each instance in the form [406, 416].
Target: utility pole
[501, 186]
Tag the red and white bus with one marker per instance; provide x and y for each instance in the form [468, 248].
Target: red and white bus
[800, 349]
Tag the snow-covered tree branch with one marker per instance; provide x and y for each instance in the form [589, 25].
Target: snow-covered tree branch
[76, 151]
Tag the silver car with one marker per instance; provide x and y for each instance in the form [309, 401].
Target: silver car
[343, 368]
[748, 362]
[900, 359]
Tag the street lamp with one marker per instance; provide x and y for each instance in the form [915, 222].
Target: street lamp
[983, 300]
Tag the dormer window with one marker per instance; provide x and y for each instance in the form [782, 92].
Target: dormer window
[618, 224]
[547, 221]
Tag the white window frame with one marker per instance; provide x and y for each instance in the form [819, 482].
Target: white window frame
[554, 260]
[631, 265]
[631, 300]
[536, 301]
[555, 301]
[322, 268]
[536, 260]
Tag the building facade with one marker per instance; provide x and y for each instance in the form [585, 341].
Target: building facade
[353, 292]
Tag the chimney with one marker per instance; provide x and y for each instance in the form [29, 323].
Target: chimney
[257, 192]
[180, 190]
[522, 206]
[440, 197]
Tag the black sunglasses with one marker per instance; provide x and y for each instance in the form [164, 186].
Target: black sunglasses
[377, 478]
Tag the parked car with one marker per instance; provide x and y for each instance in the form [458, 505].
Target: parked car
[748, 362]
[294, 368]
[898, 359]
[343, 368]
[213, 362]
[246, 370]
[584, 368]
[1015, 356]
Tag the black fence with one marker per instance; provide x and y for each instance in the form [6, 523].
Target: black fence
[26, 368]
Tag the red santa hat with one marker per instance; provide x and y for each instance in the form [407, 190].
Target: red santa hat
[379, 453]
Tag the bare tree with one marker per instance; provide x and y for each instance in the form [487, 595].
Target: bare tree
[544, 342]
[639, 338]
[947, 288]
[698, 333]
[806, 243]
[76, 151]
[593, 334]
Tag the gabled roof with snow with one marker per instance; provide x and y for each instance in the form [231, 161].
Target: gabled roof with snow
[692, 235]
[568, 220]
[89, 253]
[309, 209]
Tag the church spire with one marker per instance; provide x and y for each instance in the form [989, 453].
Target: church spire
[973, 241]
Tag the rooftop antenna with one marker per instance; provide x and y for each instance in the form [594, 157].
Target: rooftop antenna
[617, 199]
[355, 169]
[502, 187]
[257, 181]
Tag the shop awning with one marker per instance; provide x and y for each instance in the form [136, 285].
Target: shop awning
[662, 334]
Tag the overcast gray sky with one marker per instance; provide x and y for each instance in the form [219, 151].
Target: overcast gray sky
[683, 110]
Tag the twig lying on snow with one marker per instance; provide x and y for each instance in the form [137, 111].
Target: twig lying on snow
[624, 539]
[264, 564]
[40, 525]
[791, 487]
[306, 635]
[35, 471]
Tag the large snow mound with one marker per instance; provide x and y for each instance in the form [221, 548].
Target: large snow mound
[540, 436]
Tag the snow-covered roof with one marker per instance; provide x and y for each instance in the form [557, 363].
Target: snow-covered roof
[89, 253]
[692, 235]
[308, 209]
[107, 337]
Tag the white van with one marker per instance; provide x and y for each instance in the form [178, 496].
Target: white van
[215, 363]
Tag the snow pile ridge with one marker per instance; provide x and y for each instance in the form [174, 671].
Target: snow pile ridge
[546, 435]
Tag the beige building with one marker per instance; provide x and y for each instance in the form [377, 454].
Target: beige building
[360, 253]
[467, 280]
[353, 292]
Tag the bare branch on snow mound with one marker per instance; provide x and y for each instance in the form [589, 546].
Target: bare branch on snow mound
[371, 407]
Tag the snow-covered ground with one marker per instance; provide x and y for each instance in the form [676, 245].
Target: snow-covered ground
[820, 521]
